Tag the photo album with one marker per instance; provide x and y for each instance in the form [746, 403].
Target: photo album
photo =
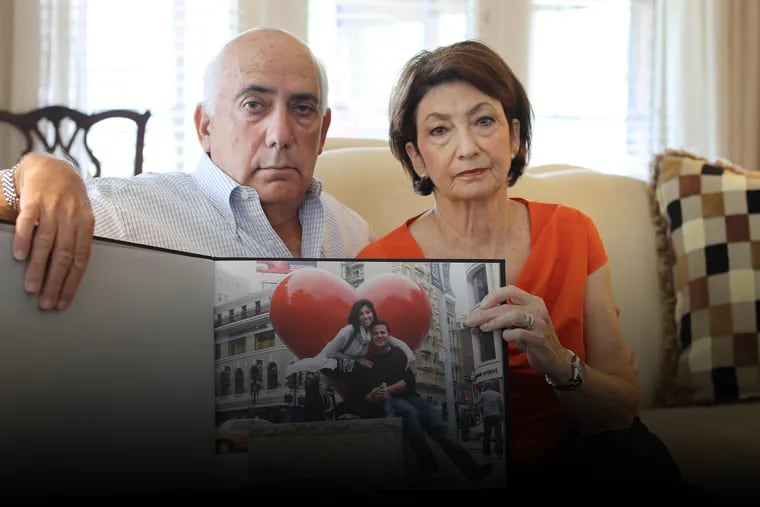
[179, 372]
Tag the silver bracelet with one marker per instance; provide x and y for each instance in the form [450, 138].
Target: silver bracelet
[577, 375]
[9, 189]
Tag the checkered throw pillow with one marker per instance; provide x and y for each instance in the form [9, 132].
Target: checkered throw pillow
[708, 216]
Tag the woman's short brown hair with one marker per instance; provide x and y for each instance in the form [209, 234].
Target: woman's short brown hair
[471, 62]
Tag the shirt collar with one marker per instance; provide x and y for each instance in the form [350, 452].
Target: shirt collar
[216, 185]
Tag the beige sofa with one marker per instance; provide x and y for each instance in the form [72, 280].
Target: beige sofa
[717, 447]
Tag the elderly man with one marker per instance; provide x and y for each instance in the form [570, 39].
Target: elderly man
[262, 124]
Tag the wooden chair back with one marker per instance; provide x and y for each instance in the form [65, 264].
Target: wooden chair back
[58, 129]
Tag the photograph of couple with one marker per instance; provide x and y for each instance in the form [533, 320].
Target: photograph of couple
[399, 352]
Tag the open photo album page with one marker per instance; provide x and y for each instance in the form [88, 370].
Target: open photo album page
[358, 373]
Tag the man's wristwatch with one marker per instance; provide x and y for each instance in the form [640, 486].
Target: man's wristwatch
[577, 375]
[9, 188]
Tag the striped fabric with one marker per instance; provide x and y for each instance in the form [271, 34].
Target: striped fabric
[710, 253]
[208, 213]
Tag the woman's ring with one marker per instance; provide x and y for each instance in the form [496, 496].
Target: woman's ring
[528, 321]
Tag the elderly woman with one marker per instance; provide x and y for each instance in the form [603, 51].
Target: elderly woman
[460, 123]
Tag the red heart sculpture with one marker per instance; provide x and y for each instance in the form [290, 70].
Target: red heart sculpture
[310, 305]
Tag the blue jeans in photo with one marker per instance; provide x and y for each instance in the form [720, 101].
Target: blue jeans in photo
[421, 418]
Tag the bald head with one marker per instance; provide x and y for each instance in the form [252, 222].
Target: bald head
[261, 49]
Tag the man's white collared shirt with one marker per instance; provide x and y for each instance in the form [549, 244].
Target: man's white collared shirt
[209, 213]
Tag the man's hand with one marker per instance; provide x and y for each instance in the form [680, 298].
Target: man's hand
[375, 396]
[365, 362]
[54, 228]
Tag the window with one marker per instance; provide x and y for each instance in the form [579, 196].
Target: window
[363, 46]
[236, 346]
[239, 381]
[592, 98]
[265, 340]
[108, 67]
[224, 382]
[479, 283]
[485, 342]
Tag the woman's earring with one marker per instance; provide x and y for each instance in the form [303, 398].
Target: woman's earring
[423, 184]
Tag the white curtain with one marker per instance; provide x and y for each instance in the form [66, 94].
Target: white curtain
[505, 26]
[707, 70]
[740, 80]
[25, 43]
[707, 85]
[21, 70]
[88, 54]
[46, 42]
[62, 51]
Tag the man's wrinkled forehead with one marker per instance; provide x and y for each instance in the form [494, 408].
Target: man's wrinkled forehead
[269, 59]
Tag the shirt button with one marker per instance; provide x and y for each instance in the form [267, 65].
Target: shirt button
[245, 194]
